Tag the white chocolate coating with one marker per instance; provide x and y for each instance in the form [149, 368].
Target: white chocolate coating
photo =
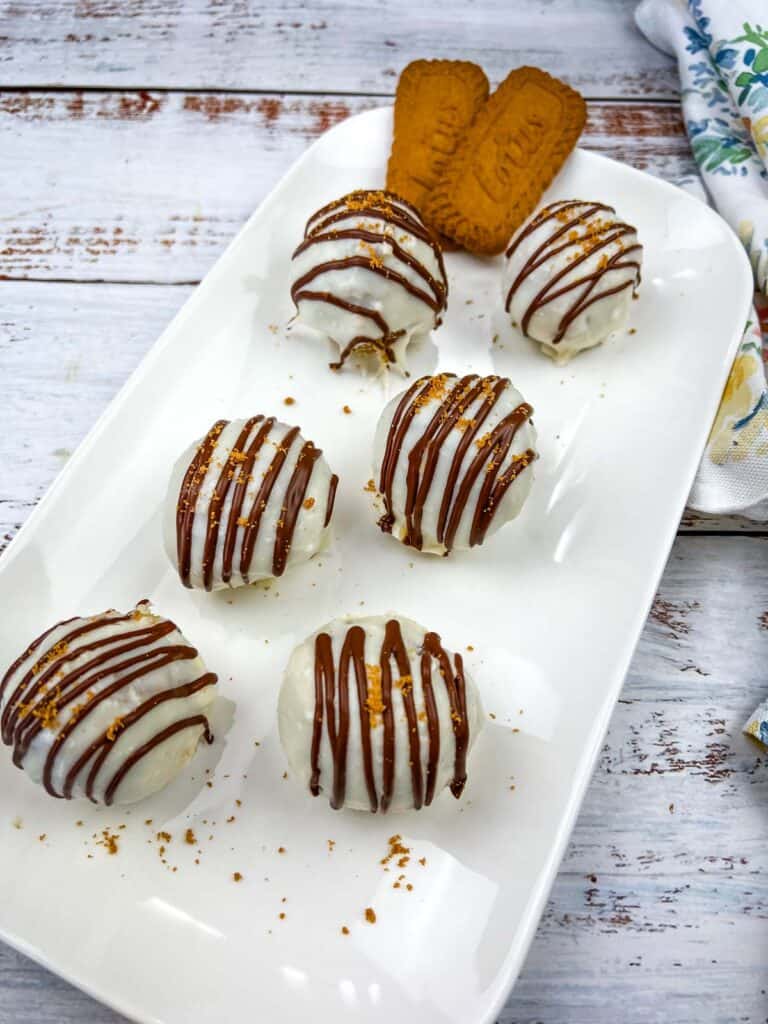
[371, 251]
[463, 435]
[296, 717]
[128, 688]
[570, 275]
[293, 517]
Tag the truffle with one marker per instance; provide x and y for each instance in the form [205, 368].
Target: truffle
[570, 275]
[109, 707]
[245, 503]
[369, 275]
[453, 460]
[378, 715]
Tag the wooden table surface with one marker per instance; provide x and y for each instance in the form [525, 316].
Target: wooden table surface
[135, 138]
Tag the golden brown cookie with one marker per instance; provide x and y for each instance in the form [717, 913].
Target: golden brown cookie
[435, 103]
[515, 146]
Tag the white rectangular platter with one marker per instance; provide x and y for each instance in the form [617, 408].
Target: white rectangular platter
[548, 613]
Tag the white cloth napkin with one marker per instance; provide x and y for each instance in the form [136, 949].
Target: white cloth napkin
[722, 54]
[721, 48]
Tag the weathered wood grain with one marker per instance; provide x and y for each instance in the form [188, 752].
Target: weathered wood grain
[660, 910]
[151, 186]
[700, 522]
[296, 45]
[65, 350]
[31, 995]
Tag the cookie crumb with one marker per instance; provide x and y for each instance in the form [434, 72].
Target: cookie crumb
[109, 840]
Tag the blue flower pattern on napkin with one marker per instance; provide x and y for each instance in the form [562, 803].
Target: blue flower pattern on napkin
[723, 143]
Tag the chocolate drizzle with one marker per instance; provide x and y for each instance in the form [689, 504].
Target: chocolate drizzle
[331, 498]
[243, 523]
[578, 226]
[453, 399]
[66, 681]
[393, 213]
[332, 711]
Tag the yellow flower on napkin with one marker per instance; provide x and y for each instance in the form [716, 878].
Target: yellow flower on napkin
[741, 426]
[760, 135]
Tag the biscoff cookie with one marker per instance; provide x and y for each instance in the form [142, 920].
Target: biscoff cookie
[515, 146]
[435, 104]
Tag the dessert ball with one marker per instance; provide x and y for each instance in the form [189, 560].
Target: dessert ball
[246, 502]
[109, 707]
[369, 275]
[453, 460]
[375, 713]
[570, 275]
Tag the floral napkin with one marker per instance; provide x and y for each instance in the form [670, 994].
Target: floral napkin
[721, 48]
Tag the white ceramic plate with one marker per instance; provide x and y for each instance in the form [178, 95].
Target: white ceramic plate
[552, 605]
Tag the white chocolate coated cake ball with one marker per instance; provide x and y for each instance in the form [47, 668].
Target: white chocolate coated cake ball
[377, 715]
[570, 275]
[453, 460]
[109, 707]
[369, 275]
[245, 503]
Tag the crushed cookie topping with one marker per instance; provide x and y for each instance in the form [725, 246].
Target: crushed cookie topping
[374, 703]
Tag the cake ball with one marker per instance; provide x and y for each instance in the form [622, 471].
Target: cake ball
[570, 275]
[369, 275]
[453, 458]
[249, 500]
[375, 713]
[109, 707]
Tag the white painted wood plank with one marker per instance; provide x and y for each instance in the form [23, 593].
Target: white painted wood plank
[700, 522]
[65, 350]
[706, 964]
[152, 186]
[322, 45]
[31, 995]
